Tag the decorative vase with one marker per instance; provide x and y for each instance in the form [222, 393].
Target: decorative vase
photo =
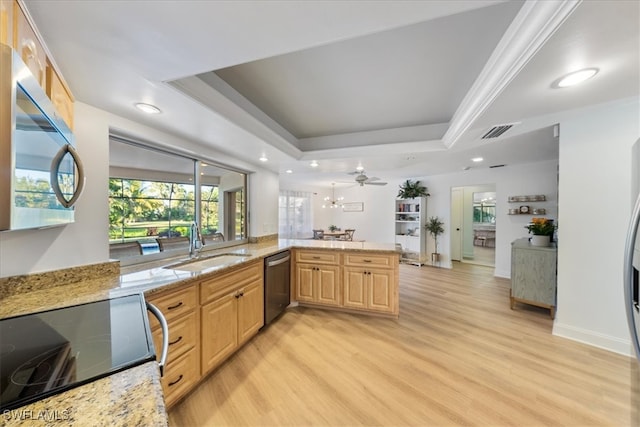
[538, 240]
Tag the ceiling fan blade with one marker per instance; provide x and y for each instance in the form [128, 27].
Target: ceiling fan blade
[373, 178]
[353, 173]
[375, 183]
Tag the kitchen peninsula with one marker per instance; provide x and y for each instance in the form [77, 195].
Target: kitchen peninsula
[368, 271]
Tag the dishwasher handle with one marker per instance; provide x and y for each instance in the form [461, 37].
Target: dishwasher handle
[278, 261]
[165, 335]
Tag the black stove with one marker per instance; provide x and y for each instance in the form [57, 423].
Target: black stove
[45, 353]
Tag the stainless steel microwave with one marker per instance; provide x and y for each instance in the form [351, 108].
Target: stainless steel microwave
[41, 175]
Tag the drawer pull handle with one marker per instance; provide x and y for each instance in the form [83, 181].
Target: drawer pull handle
[366, 260]
[176, 341]
[174, 306]
[176, 381]
[316, 257]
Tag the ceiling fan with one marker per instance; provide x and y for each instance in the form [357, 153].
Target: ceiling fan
[363, 179]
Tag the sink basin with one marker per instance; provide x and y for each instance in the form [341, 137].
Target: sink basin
[200, 264]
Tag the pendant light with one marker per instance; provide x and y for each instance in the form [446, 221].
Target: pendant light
[332, 202]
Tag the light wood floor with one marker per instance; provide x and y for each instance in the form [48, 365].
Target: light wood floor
[457, 356]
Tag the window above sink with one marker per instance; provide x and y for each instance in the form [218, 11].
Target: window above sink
[155, 196]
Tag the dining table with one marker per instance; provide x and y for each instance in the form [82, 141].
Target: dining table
[333, 235]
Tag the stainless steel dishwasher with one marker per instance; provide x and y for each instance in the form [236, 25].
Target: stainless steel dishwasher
[277, 286]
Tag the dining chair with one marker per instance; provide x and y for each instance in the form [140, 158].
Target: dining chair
[119, 250]
[318, 234]
[173, 243]
[349, 234]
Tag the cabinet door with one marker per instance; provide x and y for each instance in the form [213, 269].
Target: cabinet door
[304, 282]
[6, 22]
[60, 97]
[534, 276]
[355, 288]
[250, 311]
[29, 47]
[328, 285]
[380, 293]
[219, 330]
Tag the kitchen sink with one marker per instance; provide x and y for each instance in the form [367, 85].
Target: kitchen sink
[199, 264]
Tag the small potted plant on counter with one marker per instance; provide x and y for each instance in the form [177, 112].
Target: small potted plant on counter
[435, 227]
[541, 229]
[333, 228]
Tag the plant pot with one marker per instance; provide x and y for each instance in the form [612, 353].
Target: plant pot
[435, 258]
[538, 240]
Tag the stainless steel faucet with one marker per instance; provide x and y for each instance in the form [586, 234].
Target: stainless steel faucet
[195, 240]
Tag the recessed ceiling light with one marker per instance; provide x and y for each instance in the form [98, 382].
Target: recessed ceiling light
[576, 77]
[147, 108]
[313, 164]
[263, 158]
[289, 171]
[359, 168]
[477, 159]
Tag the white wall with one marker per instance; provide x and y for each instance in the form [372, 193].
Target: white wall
[86, 240]
[376, 223]
[264, 190]
[595, 191]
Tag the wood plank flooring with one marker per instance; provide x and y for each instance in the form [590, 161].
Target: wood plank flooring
[456, 356]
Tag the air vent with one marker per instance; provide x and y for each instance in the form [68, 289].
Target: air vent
[496, 131]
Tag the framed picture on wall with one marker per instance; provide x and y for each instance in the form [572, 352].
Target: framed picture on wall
[353, 207]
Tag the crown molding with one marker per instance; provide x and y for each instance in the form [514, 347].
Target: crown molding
[534, 24]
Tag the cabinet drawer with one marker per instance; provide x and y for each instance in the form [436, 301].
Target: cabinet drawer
[318, 257]
[183, 336]
[221, 284]
[173, 304]
[371, 260]
[180, 376]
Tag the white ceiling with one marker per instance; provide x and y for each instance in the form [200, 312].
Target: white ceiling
[404, 88]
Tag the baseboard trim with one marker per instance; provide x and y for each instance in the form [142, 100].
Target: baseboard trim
[595, 339]
[502, 273]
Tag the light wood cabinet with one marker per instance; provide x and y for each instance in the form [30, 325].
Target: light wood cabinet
[16, 31]
[369, 289]
[232, 313]
[533, 275]
[182, 370]
[6, 22]
[359, 281]
[60, 96]
[29, 47]
[318, 284]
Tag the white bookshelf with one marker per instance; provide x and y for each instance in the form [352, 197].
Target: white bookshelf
[410, 219]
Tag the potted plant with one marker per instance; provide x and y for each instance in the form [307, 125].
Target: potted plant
[412, 189]
[541, 229]
[333, 228]
[435, 227]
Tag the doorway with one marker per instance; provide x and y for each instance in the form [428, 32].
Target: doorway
[473, 224]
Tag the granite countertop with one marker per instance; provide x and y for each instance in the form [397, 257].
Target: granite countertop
[134, 396]
[128, 398]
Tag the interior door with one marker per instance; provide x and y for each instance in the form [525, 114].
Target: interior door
[457, 209]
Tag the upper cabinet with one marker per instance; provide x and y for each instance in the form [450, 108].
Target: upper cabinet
[16, 31]
[6, 22]
[29, 47]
